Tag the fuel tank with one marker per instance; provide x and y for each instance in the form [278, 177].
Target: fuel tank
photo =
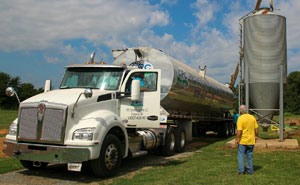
[184, 90]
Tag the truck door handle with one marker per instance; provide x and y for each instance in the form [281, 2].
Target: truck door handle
[152, 118]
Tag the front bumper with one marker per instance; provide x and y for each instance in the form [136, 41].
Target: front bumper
[45, 153]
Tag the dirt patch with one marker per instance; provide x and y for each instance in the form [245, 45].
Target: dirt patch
[2, 155]
[195, 145]
[3, 131]
[295, 121]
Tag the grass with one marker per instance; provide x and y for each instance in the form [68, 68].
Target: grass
[7, 117]
[9, 164]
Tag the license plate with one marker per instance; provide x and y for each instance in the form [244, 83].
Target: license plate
[74, 167]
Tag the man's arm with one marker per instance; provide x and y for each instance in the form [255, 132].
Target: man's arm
[256, 134]
[238, 135]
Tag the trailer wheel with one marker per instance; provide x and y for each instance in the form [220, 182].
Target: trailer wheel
[110, 158]
[30, 165]
[180, 139]
[223, 130]
[169, 148]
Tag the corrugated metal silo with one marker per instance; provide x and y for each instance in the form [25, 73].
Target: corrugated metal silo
[264, 53]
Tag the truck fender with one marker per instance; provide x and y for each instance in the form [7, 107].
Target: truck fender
[109, 122]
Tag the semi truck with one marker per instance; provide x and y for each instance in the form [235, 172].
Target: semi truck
[102, 113]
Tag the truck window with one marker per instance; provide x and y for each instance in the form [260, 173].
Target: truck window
[148, 81]
[95, 78]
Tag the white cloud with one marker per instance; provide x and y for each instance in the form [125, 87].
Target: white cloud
[159, 18]
[290, 9]
[37, 25]
[215, 51]
[204, 14]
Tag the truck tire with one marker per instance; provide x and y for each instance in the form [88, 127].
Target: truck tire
[180, 140]
[110, 157]
[223, 130]
[29, 165]
[169, 148]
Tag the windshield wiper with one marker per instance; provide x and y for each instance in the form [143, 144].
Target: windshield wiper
[65, 87]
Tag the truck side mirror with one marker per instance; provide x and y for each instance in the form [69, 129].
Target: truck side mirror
[88, 93]
[135, 90]
[10, 91]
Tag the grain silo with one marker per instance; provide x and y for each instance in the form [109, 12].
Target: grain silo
[264, 51]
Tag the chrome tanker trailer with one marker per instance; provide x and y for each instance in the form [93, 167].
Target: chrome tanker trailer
[103, 113]
[185, 92]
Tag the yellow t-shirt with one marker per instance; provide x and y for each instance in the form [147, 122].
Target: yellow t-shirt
[247, 124]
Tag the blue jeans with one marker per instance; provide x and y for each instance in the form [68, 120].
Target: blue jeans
[248, 151]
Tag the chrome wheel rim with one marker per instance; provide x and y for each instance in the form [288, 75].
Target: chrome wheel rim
[111, 156]
[227, 130]
[172, 142]
[182, 139]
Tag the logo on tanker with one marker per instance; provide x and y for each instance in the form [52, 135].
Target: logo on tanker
[182, 78]
[146, 65]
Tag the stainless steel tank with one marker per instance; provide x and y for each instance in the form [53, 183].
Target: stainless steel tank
[264, 52]
[183, 89]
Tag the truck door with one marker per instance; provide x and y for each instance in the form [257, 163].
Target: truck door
[145, 112]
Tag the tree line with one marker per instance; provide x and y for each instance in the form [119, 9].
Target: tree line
[24, 91]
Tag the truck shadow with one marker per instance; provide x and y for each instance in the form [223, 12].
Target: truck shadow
[129, 168]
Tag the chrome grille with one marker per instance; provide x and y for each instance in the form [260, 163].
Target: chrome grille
[46, 126]
[52, 125]
[28, 123]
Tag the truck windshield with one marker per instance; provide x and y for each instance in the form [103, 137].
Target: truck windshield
[95, 78]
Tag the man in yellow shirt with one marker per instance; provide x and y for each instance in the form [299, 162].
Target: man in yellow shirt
[246, 137]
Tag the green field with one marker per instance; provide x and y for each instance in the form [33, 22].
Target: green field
[6, 118]
[209, 164]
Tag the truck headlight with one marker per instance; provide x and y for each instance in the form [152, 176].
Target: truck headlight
[13, 129]
[84, 134]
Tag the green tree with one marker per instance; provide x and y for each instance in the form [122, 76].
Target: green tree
[24, 91]
[292, 93]
[7, 81]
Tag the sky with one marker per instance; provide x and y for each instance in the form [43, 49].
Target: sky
[38, 38]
